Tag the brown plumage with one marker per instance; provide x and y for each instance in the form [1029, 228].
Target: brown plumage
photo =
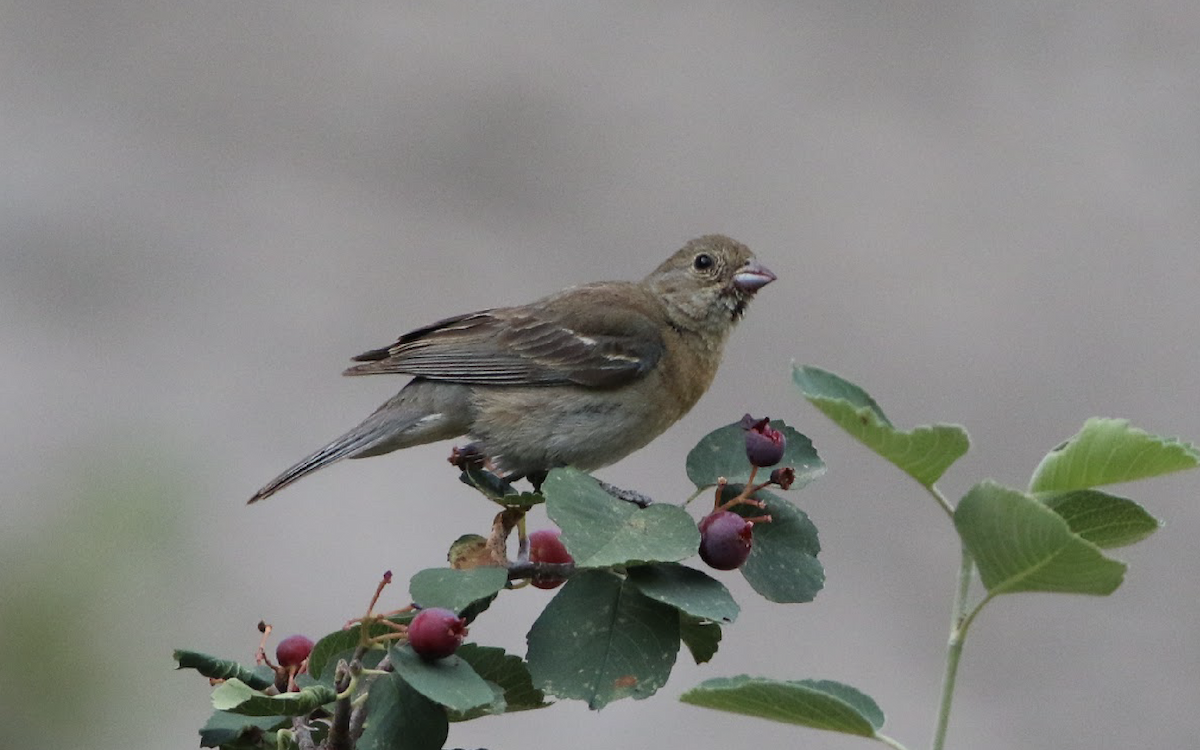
[581, 378]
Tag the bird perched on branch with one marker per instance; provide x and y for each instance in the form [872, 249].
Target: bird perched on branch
[581, 378]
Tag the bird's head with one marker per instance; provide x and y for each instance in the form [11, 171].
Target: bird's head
[709, 282]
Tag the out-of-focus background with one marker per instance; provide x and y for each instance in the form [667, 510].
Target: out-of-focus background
[984, 212]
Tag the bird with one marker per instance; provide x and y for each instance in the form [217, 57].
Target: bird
[581, 378]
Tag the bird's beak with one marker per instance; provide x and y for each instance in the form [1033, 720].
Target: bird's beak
[752, 277]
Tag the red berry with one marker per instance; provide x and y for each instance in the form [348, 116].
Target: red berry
[293, 650]
[725, 540]
[435, 633]
[545, 546]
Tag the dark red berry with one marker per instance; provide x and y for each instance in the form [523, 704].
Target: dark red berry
[764, 443]
[435, 633]
[783, 477]
[725, 540]
[293, 650]
[545, 546]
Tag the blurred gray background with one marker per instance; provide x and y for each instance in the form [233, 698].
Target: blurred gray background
[984, 212]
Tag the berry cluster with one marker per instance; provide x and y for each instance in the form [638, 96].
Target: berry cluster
[726, 537]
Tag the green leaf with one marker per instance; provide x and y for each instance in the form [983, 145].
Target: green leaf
[783, 565]
[400, 718]
[221, 669]
[238, 697]
[506, 671]
[686, 589]
[702, 637]
[455, 589]
[228, 729]
[601, 531]
[819, 704]
[1021, 545]
[1107, 451]
[340, 641]
[722, 453]
[600, 639]
[1106, 521]
[924, 453]
[449, 682]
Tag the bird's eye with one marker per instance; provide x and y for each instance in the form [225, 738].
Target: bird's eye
[703, 262]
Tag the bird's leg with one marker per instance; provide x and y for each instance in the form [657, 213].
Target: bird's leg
[480, 471]
[629, 496]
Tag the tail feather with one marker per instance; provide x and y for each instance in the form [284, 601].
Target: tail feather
[349, 445]
[422, 412]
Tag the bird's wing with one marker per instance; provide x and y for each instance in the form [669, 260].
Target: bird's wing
[551, 343]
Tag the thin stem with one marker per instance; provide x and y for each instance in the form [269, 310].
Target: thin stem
[960, 621]
[889, 741]
[941, 499]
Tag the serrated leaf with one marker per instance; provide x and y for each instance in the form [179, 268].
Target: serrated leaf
[702, 637]
[686, 589]
[1021, 545]
[400, 718]
[722, 453]
[238, 697]
[1106, 521]
[819, 704]
[925, 453]
[1107, 451]
[450, 682]
[228, 729]
[347, 640]
[506, 672]
[221, 669]
[601, 531]
[783, 565]
[455, 590]
[600, 639]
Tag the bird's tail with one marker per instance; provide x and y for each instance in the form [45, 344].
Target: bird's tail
[421, 412]
[355, 442]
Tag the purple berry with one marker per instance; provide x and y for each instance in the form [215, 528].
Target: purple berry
[764, 443]
[545, 546]
[435, 633]
[725, 540]
[293, 650]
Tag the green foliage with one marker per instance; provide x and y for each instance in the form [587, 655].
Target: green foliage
[400, 718]
[1107, 451]
[686, 589]
[722, 453]
[1106, 521]
[783, 565]
[1049, 539]
[456, 589]
[924, 453]
[601, 639]
[601, 531]
[615, 628]
[613, 631]
[237, 697]
[702, 637]
[819, 704]
[221, 669]
[450, 682]
[1021, 545]
[508, 673]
